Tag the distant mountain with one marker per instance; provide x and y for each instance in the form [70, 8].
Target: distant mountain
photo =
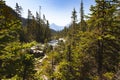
[56, 27]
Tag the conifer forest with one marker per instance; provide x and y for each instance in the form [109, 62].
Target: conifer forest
[88, 49]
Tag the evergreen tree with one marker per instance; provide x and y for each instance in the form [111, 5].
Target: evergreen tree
[9, 28]
[83, 25]
[39, 31]
[18, 10]
[74, 19]
[103, 23]
[73, 27]
[47, 33]
[30, 27]
[12, 57]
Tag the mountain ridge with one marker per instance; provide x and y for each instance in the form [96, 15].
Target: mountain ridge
[56, 27]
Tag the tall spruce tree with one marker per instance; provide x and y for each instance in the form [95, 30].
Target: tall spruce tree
[103, 23]
[73, 28]
[74, 19]
[83, 25]
[9, 28]
[13, 60]
[18, 10]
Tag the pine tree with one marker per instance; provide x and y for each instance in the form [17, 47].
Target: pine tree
[29, 26]
[74, 19]
[47, 32]
[9, 28]
[73, 27]
[39, 33]
[13, 59]
[83, 25]
[18, 10]
[103, 23]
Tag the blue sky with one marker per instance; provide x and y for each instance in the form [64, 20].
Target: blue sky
[56, 11]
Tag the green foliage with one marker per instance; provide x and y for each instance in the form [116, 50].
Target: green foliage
[15, 61]
[92, 54]
[36, 29]
[62, 71]
[108, 75]
[102, 22]
[86, 55]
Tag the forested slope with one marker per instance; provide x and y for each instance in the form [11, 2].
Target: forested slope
[91, 50]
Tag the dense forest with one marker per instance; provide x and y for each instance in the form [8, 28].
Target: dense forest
[89, 49]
